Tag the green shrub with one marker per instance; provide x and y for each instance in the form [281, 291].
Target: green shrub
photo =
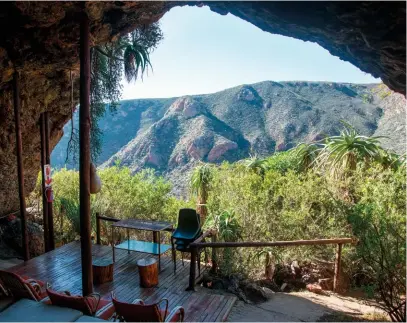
[378, 220]
[123, 195]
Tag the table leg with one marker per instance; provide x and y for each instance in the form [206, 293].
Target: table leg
[128, 241]
[113, 244]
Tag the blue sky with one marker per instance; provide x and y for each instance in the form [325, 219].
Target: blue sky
[203, 52]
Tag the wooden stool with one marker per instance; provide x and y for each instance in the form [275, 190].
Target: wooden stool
[102, 271]
[148, 270]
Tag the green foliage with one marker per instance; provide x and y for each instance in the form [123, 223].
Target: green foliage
[283, 203]
[341, 154]
[379, 222]
[227, 224]
[123, 195]
[201, 181]
[129, 55]
[255, 164]
[306, 154]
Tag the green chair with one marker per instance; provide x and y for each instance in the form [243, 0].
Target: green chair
[187, 231]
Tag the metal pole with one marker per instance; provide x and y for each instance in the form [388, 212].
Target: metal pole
[20, 168]
[51, 239]
[84, 159]
[44, 198]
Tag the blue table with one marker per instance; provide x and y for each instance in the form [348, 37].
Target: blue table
[153, 248]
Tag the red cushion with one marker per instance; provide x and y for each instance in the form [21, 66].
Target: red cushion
[79, 303]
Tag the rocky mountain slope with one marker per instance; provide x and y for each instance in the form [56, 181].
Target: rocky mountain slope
[171, 135]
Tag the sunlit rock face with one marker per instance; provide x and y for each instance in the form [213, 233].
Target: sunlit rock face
[41, 40]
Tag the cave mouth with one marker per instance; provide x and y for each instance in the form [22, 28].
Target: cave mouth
[203, 52]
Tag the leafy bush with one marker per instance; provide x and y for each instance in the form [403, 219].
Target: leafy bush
[279, 205]
[378, 220]
[124, 195]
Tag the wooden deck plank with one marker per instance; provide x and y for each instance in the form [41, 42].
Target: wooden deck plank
[62, 268]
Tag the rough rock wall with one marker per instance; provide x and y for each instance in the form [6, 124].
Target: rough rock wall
[41, 40]
[39, 92]
[42, 43]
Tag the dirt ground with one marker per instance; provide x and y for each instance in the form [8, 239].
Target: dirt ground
[305, 307]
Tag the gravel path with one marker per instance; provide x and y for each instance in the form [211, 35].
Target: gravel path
[298, 307]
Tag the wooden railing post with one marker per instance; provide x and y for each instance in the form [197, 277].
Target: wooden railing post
[44, 198]
[50, 212]
[214, 253]
[337, 267]
[20, 166]
[192, 269]
[84, 157]
[97, 228]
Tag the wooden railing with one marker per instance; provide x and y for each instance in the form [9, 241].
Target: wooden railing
[198, 244]
[98, 219]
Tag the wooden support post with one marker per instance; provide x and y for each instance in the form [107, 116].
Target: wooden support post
[155, 236]
[337, 267]
[214, 253]
[44, 198]
[84, 158]
[192, 269]
[20, 168]
[98, 229]
[51, 239]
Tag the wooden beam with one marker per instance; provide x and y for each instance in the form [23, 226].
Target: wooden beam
[337, 267]
[44, 198]
[84, 158]
[214, 257]
[192, 269]
[20, 168]
[248, 244]
[51, 235]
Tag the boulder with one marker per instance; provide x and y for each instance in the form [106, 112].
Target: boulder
[11, 235]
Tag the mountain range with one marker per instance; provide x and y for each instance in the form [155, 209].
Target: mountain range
[171, 135]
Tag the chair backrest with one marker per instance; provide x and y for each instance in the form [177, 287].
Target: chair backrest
[137, 312]
[188, 222]
[17, 286]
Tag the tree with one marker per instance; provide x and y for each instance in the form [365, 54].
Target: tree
[129, 55]
[306, 154]
[255, 164]
[200, 184]
[341, 154]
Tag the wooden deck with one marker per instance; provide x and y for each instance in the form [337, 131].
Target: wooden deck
[62, 269]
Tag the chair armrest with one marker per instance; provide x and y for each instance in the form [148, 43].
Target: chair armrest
[34, 284]
[106, 312]
[176, 315]
[97, 297]
[138, 301]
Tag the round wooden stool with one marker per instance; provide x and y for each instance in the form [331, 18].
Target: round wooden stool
[148, 270]
[102, 271]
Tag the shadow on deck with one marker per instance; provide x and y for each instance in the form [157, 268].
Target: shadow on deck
[62, 269]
